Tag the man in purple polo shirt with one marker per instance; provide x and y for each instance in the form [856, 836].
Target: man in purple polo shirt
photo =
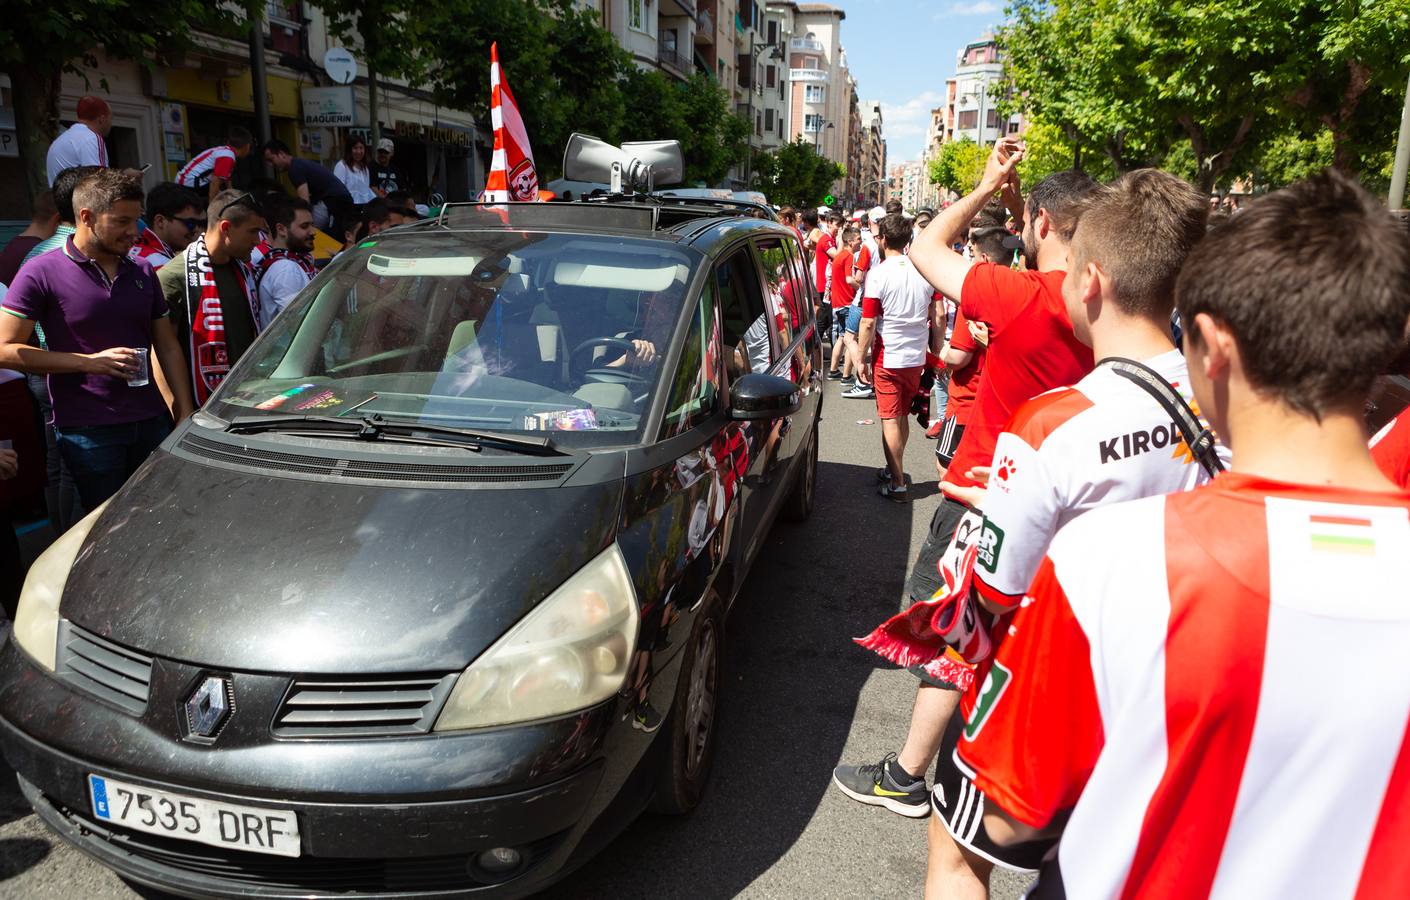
[98, 309]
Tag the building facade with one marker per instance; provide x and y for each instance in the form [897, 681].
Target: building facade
[872, 187]
[970, 106]
[164, 115]
[820, 105]
[778, 31]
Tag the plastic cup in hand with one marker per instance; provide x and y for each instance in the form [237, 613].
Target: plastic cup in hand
[7, 444]
[139, 378]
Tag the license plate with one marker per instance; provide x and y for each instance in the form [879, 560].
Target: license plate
[251, 828]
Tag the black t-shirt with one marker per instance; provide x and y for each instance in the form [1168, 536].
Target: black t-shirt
[388, 178]
[323, 185]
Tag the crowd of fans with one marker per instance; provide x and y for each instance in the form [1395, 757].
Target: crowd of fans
[1148, 414]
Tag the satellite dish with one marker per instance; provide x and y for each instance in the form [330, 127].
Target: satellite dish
[634, 166]
[340, 65]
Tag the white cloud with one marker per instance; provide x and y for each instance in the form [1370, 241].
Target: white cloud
[973, 8]
[904, 125]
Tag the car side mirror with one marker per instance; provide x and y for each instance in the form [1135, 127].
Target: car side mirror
[754, 397]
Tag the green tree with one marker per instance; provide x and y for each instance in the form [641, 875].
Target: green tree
[41, 41]
[696, 112]
[795, 174]
[958, 166]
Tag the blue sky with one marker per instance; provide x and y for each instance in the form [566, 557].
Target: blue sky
[901, 52]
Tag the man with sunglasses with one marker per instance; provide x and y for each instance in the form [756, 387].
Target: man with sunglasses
[175, 218]
[210, 288]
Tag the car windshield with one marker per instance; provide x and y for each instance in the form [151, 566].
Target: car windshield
[501, 331]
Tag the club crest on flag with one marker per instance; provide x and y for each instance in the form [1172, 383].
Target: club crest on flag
[512, 174]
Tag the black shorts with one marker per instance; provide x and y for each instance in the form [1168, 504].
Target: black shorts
[950, 433]
[960, 805]
[925, 576]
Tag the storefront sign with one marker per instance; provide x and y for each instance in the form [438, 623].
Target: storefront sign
[328, 106]
[432, 134]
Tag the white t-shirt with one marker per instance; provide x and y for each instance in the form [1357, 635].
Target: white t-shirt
[277, 286]
[357, 181]
[900, 298]
[78, 146]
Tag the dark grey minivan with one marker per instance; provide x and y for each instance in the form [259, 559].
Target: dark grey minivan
[428, 599]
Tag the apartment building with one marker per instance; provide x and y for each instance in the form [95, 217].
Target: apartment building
[821, 94]
[970, 108]
[778, 31]
[872, 188]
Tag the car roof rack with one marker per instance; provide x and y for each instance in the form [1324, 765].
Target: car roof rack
[599, 212]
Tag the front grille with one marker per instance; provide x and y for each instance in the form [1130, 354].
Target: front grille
[370, 708]
[373, 470]
[116, 674]
[305, 873]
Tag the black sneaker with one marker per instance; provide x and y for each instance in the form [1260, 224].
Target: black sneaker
[834, 375]
[646, 718]
[874, 786]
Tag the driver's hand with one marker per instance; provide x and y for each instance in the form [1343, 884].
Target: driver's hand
[644, 351]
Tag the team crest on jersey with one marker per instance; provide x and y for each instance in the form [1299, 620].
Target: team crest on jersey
[995, 683]
[991, 541]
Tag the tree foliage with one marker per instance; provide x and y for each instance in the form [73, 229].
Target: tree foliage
[958, 166]
[795, 175]
[41, 41]
[1211, 83]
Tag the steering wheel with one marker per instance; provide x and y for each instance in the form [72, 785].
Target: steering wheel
[611, 375]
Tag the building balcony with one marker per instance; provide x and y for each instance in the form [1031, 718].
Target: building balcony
[678, 8]
[704, 27]
[669, 57]
[806, 45]
[808, 76]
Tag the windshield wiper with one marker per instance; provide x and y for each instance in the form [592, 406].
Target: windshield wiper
[374, 427]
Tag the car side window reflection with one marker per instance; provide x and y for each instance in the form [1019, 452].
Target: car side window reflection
[746, 330]
[696, 386]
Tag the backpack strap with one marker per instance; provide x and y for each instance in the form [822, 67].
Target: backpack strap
[1199, 438]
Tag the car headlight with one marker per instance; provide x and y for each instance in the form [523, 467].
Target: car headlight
[37, 619]
[570, 652]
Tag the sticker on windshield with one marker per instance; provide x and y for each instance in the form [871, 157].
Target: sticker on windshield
[321, 400]
[278, 399]
[561, 420]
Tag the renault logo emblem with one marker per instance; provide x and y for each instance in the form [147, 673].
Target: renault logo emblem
[209, 707]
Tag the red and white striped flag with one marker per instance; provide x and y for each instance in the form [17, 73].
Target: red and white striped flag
[512, 174]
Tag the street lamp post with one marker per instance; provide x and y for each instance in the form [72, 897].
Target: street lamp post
[753, 63]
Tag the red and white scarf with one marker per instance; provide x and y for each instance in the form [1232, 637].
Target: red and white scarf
[147, 244]
[210, 358]
[274, 254]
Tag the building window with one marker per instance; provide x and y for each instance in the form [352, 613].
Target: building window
[771, 34]
[810, 62]
[812, 123]
[813, 93]
[758, 123]
[770, 76]
[636, 18]
[1013, 128]
[768, 120]
[968, 120]
[993, 119]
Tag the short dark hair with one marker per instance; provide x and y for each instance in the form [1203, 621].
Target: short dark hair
[989, 240]
[224, 208]
[836, 217]
[894, 206]
[279, 209]
[239, 136]
[64, 183]
[1314, 283]
[1059, 195]
[896, 231]
[376, 210]
[399, 201]
[1139, 229]
[276, 146]
[850, 232]
[43, 208]
[810, 218]
[169, 198]
[100, 191]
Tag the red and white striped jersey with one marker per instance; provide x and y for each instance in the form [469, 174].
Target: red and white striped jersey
[218, 161]
[1103, 440]
[1216, 685]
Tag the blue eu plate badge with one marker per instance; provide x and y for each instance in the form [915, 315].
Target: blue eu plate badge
[100, 796]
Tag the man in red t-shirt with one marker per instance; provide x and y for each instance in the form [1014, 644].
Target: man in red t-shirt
[826, 250]
[843, 290]
[1032, 349]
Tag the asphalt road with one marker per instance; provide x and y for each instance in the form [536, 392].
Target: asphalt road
[799, 698]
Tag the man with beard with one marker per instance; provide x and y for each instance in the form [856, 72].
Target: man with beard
[101, 313]
[1032, 349]
[210, 288]
[288, 266]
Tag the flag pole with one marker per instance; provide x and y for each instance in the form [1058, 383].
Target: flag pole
[1396, 200]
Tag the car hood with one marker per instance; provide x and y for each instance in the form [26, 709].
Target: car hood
[240, 571]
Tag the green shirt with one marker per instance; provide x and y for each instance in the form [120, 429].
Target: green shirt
[239, 323]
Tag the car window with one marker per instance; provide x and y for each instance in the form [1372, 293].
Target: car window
[788, 297]
[696, 385]
[509, 331]
[746, 329]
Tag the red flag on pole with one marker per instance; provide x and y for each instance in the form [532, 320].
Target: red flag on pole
[512, 174]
